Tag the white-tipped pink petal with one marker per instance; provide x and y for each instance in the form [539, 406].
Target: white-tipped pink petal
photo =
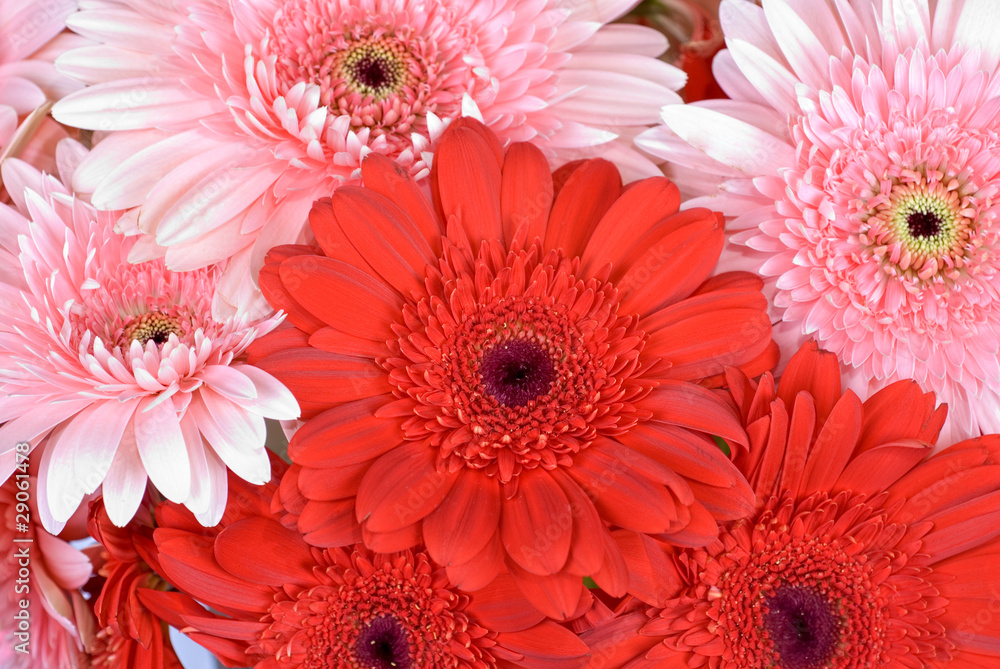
[82, 455]
[125, 483]
[101, 360]
[161, 448]
[287, 107]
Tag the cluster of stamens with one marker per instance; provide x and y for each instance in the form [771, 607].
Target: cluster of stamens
[517, 366]
[153, 326]
[920, 230]
[375, 68]
[374, 612]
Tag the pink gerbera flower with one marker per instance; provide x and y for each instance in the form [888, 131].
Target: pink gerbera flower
[31, 36]
[234, 117]
[860, 157]
[46, 620]
[118, 369]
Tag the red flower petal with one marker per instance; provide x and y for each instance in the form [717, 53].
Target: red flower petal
[671, 268]
[384, 176]
[816, 372]
[536, 524]
[547, 646]
[330, 523]
[332, 238]
[465, 521]
[556, 595]
[261, 550]
[875, 470]
[345, 435]
[321, 380]
[801, 428]
[387, 239]
[622, 495]
[467, 177]
[586, 553]
[187, 559]
[652, 577]
[278, 296]
[482, 568]
[332, 340]
[696, 408]
[401, 488]
[498, 607]
[834, 445]
[579, 206]
[525, 191]
[333, 283]
[619, 235]
[898, 411]
[692, 456]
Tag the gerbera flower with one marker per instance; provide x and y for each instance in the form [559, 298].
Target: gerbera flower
[119, 368]
[510, 370]
[235, 117]
[860, 160]
[863, 552]
[130, 636]
[46, 573]
[287, 604]
[32, 35]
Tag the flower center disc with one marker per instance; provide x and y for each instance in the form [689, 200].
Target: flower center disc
[153, 326]
[802, 627]
[517, 371]
[382, 644]
[919, 231]
[514, 362]
[375, 68]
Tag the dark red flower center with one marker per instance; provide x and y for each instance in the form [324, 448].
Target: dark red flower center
[802, 625]
[514, 361]
[924, 224]
[374, 611]
[516, 371]
[382, 644]
[373, 71]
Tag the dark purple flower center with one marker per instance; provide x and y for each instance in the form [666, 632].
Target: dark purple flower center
[373, 71]
[923, 224]
[802, 625]
[382, 644]
[516, 371]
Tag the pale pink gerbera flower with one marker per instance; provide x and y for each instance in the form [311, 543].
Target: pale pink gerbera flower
[118, 370]
[32, 34]
[233, 117]
[860, 159]
[44, 619]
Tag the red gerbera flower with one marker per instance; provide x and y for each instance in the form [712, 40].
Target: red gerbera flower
[504, 374]
[277, 602]
[130, 636]
[863, 553]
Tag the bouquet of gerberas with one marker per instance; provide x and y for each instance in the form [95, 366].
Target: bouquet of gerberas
[496, 334]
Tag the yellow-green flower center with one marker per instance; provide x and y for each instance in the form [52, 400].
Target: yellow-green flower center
[153, 326]
[377, 68]
[919, 230]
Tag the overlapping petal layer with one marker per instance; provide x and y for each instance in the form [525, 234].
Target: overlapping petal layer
[232, 118]
[859, 161]
[287, 604]
[864, 550]
[117, 369]
[526, 359]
